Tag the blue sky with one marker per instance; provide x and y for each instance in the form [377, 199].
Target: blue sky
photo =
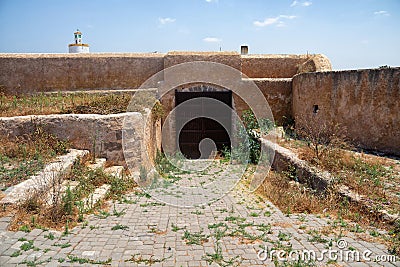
[352, 33]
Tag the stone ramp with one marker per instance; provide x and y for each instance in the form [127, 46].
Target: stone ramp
[46, 178]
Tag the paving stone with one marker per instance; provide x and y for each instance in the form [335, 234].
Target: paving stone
[167, 245]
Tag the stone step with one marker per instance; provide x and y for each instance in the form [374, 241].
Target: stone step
[51, 175]
[99, 163]
[116, 171]
[98, 194]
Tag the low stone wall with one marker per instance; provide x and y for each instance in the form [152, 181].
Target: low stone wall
[101, 134]
[286, 161]
[364, 102]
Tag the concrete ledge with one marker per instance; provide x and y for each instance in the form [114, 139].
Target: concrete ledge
[287, 161]
[48, 177]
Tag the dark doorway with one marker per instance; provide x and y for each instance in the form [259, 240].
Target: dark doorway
[196, 130]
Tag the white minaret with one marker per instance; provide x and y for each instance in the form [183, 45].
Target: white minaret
[78, 46]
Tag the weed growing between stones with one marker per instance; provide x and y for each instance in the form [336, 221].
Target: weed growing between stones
[138, 259]
[219, 259]
[74, 259]
[197, 238]
[175, 228]
[35, 262]
[119, 227]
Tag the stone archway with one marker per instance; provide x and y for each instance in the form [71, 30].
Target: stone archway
[200, 129]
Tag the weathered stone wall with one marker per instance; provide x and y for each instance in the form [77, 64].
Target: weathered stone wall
[365, 102]
[282, 66]
[28, 73]
[277, 92]
[89, 131]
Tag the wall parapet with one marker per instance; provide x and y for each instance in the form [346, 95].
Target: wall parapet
[37, 72]
[282, 66]
[30, 73]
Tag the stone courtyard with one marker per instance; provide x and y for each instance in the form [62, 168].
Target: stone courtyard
[236, 230]
[95, 107]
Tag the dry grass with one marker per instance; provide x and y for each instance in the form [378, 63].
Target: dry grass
[23, 156]
[292, 197]
[364, 174]
[325, 146]
[78, 103]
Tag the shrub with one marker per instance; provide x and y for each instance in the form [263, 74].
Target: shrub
[254, 129]
[321, 136]
[68, 202]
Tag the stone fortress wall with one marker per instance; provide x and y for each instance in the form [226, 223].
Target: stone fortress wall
[365, 101]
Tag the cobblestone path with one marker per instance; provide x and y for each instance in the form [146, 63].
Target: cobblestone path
[139, 231]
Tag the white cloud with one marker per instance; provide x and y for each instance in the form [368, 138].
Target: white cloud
[212, 40]
[305, 3]
[164, 21]
[382, 13]
[287, 17]
[271, 21]
[266, 22]
[211, 1]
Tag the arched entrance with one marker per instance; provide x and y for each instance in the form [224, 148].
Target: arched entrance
[201, 128]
